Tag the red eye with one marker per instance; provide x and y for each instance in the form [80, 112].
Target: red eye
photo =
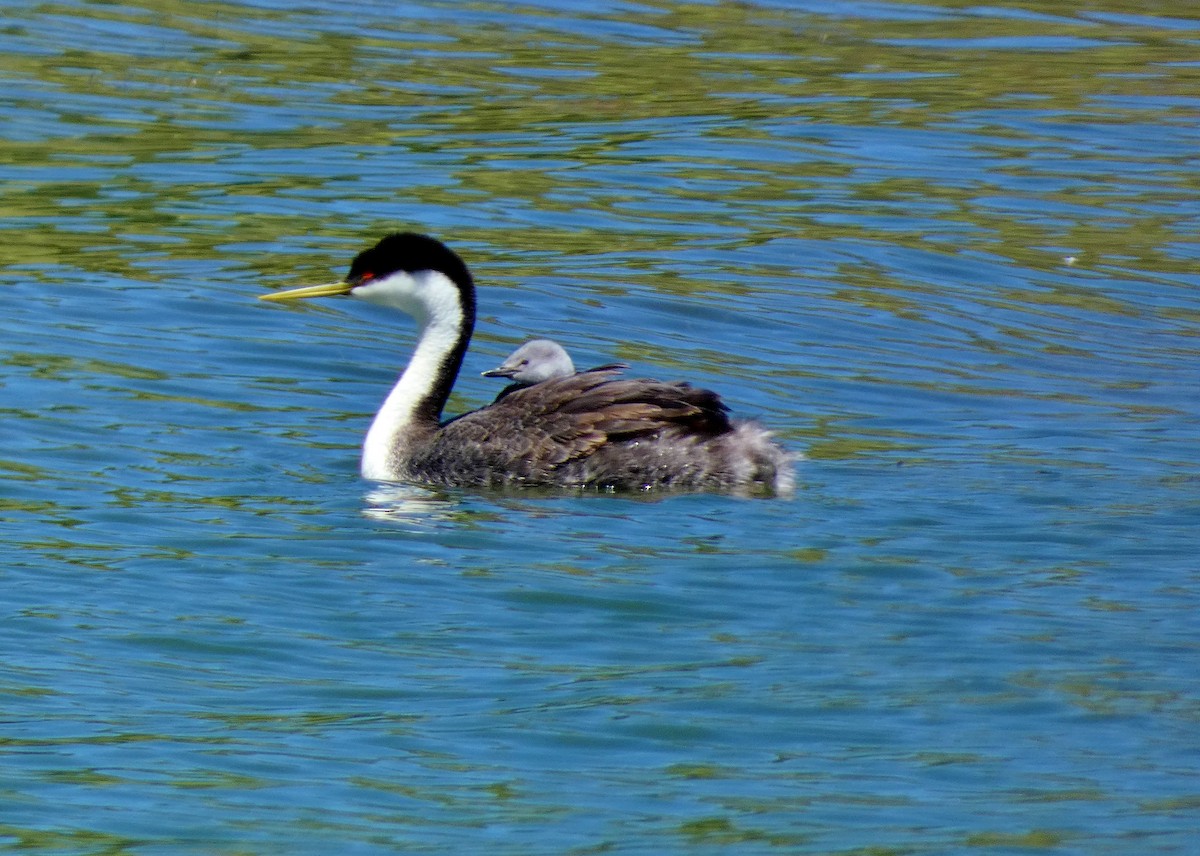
[366, 277]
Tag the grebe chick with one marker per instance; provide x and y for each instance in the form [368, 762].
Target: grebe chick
[538, 360]
[535, 361]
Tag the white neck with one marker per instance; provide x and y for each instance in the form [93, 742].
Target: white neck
[433, 302]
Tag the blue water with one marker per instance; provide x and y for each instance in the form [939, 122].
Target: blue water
[947, 253]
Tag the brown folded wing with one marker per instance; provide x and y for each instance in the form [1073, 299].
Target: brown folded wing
[529, 433]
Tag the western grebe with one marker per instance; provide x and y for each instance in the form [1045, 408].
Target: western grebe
[592, 429]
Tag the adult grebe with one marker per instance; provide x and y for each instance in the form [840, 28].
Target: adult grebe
[592, 429]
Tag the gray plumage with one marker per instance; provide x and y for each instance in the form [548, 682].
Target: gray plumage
[535, 361]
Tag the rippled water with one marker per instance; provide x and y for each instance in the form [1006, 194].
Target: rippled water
[946, 251]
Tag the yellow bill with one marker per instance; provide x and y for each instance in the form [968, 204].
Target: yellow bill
[327, 290]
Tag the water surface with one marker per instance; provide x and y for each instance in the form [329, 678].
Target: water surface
[946, 251]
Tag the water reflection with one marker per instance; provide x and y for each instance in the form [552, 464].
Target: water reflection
[410, 505]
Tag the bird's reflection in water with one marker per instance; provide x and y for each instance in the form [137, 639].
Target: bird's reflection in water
[409, 504]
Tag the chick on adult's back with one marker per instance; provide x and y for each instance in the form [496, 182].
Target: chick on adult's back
[537, 361]
[593, 429]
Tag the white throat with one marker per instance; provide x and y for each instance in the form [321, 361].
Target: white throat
[433, 301]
